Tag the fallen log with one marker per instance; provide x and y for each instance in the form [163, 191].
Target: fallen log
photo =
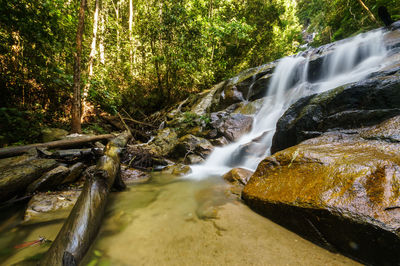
[83, 223]
[64, 143]
[15, 180]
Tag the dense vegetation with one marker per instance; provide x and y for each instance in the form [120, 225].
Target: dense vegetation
[144, 55]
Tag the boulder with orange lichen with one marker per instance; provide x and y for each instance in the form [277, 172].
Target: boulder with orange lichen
[340, 191]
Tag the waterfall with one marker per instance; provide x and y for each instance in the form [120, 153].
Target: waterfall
[344, 62]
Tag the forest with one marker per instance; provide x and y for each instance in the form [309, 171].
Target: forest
[193, 132]
[141, 56]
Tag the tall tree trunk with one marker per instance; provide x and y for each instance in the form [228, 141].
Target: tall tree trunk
[101, 41]
[91, 59]
[116, 9]
[131, 35]
[76, 103]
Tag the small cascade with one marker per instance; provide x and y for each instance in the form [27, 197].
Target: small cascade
[344, 62]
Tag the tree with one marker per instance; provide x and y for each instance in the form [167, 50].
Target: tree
[76, 102]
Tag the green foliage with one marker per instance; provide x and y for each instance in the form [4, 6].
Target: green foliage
[189, 118]
[20, 127]
[192, 119]
[338, 19]
[93, 128]
[173, 50]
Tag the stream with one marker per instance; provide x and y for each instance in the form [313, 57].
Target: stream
[172, 221]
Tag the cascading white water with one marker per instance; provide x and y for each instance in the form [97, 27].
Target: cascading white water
[349, 61]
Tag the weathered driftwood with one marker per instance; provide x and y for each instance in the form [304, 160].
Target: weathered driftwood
[65, 143]
[81, 227]
[14, 180]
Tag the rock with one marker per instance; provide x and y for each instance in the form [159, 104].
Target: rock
[177, 169]
[339, 191]
[230, 95]
[234, 90]
[74, 173]
[221, 141]
[164, 142]
[231, 126]
[15, 180]
[208, 100]
[254, 149]
[355, 105]
[392, 38]
[238, 175]
[389, 131]
[194, 159]
[144, 156]
[51, 134]
[190, 144]
[249, 108]
[15, 161]
[134, 176]
[209, 201]
[259, 88]
[45, 207]
[50, 180]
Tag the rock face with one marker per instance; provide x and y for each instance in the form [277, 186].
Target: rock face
[190, 144]
[231, 126]
[351, 106]
[338, 190]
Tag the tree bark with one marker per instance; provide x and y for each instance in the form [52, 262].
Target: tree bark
[76, 102]
[101, 44]
[131, 35]
[91, 59]
[83, 223]
[65, 143]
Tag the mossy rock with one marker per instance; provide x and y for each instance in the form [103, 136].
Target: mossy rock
[339, 191]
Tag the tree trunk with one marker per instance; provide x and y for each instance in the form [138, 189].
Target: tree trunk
[91, 59]
[101, 44]
[76, 103]
[116, 9]
[65, 143]
[83, 223]
[131, 35]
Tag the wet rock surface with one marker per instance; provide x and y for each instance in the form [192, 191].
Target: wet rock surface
[338, 190]
[231, 126]
[192, 145]
[359, 104]
[177, 169]
[238, 175]
[44, 207]
[134, 176]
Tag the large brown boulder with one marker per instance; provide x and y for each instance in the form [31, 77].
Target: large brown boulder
[339, 191]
